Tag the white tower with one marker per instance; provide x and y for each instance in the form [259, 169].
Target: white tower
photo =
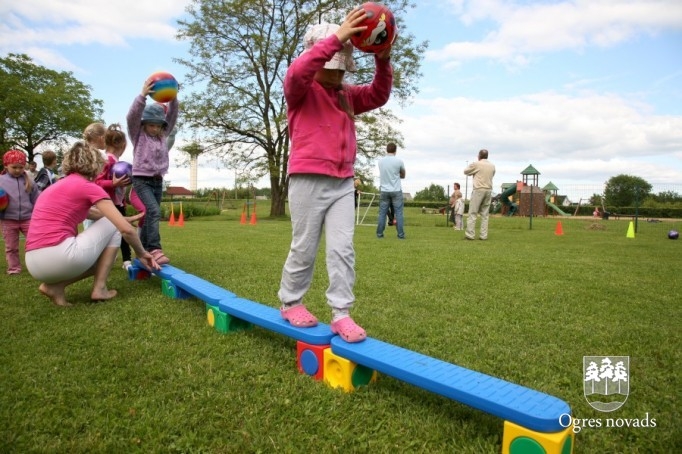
[193, 173]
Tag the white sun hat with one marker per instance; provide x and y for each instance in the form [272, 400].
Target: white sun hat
[343, 59]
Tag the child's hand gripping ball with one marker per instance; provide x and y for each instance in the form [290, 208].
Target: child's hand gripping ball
[165, 87]
[122, 169]
[381, 29]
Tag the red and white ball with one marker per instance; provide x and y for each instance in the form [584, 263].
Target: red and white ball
[381, 29]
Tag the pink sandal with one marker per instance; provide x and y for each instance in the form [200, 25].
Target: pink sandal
[348, 330]
[299, 316]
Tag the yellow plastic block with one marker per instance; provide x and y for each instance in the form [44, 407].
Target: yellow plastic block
[520, 440]
[343, 373]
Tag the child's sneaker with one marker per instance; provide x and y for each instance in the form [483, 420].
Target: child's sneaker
[127, 264]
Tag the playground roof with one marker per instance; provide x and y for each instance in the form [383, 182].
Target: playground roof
[530, 170]
[550, 187]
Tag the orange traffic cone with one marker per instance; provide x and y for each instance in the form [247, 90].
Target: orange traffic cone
[253, 215]
[243, 220]
[181, 218]
[559, 230]
[171, 221]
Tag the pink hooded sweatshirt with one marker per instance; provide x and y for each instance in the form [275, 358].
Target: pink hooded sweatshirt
[322, 134]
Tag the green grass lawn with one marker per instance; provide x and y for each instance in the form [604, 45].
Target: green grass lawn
[145, 373]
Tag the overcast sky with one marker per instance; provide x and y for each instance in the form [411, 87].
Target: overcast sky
[583, 90]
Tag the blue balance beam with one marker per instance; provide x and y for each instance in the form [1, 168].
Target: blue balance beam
[520, 405]
[202, 289]
[269, 318]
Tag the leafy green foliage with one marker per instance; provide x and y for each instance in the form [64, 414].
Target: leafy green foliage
[240, 52]
[434, 193]
[41, 106]
[626, 190]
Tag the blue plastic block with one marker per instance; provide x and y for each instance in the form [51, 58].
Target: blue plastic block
[523, 406]
[202, 289]
[270, 318]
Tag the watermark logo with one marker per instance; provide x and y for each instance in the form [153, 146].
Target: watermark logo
[606, 383]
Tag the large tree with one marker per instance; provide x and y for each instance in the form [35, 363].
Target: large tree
[626, 191]
[434, 193]
[39, 105]
[239, 53]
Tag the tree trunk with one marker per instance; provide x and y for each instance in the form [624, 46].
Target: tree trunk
[278, 192]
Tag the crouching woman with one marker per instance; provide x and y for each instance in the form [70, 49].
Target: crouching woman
[56, 253]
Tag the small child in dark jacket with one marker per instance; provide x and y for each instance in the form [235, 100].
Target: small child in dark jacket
[16, 218]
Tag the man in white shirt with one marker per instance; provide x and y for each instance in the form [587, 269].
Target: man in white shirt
[391, 171]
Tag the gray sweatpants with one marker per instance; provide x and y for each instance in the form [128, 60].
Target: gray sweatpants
[317, 202]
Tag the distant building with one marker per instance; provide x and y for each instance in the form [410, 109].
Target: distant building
[179, 192]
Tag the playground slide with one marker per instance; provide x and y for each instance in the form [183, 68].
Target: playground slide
[503, 198]
[554, 207]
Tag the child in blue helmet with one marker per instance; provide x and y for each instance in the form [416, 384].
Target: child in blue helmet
[148, 128]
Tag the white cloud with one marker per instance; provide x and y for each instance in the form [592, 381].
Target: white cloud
[569, 139]
[32, 25]
[523, 29]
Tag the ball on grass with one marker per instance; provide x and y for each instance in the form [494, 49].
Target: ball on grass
[673, 234]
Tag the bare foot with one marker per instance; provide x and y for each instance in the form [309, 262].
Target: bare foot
[55, 293]
[103, 295]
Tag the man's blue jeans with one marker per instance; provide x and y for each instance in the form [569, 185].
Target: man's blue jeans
[150, 190]
[385, 200]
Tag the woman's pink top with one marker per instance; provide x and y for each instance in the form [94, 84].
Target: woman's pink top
[60, 208]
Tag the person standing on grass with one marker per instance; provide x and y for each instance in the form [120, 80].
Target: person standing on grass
[456, 193]
[56, 253]
[22, 194]
[115, 143]
[391, 171]
[457, 206]
[483, 172]
[321, 112]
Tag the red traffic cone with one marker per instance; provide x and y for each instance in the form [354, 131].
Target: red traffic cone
[171, 221]
[559, 230]
[253, 217]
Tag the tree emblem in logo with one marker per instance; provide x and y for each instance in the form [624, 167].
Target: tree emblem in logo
[606, 383]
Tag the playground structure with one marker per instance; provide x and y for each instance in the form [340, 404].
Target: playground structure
[525, 197]
[534, 422]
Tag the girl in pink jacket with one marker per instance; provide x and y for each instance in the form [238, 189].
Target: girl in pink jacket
[321, 112]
